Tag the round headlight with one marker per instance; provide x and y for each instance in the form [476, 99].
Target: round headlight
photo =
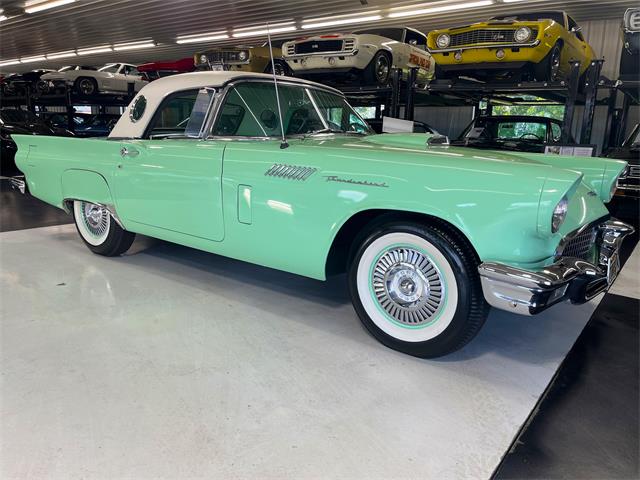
[443, 40]
[522, 34]
[203, 59]
[559, 214]
[243, 55]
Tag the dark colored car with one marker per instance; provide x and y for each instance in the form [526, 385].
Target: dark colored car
[19, 83]
[20, 122]
[630, 56]
[61, 119]
[629, 183]
[154, 70]
[521, 133]
[418, 127]
[99, 125]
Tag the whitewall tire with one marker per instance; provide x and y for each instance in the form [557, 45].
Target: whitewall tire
[99, 230]
[416, 289]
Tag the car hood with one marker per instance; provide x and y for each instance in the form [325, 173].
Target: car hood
[599, 174]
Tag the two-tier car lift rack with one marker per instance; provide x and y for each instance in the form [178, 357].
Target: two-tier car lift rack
[404, 91]
[67, 99]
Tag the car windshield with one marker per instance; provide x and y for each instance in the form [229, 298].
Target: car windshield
[110, 68]
[492, 129]
[251, 110]
[75, 67]
[18, 116]
[532, 17]
[392, 33]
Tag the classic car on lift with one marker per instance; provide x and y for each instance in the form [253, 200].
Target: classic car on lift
[19, 84]
[630, 54]
[153, 70]
[535, 45]
[368, 54]
[111, 78]
[242, 59]
[430, 235]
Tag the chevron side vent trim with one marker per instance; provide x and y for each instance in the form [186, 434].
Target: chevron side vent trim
[290, 172]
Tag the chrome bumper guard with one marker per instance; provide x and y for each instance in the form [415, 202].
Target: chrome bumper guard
[528, 292]
[18, 183]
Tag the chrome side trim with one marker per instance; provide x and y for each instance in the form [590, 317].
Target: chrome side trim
[487, 45]
[334, 53]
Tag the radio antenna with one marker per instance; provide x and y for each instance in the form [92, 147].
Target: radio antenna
[284, 143]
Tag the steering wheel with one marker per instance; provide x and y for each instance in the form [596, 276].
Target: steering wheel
[536, 137]
[298, 121]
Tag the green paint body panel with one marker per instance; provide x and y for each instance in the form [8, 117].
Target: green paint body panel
[187, 192]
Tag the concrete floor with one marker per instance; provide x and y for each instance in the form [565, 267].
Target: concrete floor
[174, 363]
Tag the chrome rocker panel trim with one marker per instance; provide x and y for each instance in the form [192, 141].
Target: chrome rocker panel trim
[528, 292]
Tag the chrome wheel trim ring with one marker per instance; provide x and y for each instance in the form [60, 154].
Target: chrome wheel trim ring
[440, 319]
[93, 221]
[86, 86]
[382, 68]
[408, 286]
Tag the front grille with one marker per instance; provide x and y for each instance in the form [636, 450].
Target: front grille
[492, 36]
[634, 171]
[229, 56]
[581, 245]
[316, 46]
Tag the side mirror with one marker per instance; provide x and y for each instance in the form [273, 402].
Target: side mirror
[437, 140]
[576, 29]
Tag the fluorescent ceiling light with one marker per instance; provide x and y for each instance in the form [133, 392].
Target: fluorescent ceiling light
[267, 29]
[39, 58]
[53, 56]
[9, 62]
[38, 7]
[2, 18]
[443, 8]
[133, 46]
[89, 51]
[202, 37]
[327, 21]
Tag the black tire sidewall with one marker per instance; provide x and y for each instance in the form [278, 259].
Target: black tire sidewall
[370, 72]
[453, 336]
[93, 82]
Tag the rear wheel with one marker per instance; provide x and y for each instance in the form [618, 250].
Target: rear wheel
[378, 72]
[416, 289]
[86, 86]
[548, 70]
[99, 230]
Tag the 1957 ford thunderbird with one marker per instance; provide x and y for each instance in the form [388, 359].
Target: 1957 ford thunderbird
[430, 235]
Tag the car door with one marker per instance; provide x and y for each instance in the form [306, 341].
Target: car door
[171, 179]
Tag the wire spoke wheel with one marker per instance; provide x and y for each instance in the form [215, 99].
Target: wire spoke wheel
[93, 221]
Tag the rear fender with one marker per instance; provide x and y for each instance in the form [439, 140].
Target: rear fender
[89, 186]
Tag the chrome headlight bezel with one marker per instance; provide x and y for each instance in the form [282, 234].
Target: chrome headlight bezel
[243, 55]
[522, 34]
[443, 40]
[204, 59]
[559, 214]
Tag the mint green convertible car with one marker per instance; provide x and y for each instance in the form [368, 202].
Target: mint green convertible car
[430, 235]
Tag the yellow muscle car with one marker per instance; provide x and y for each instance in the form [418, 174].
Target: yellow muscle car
[243, 59]
[536, 45]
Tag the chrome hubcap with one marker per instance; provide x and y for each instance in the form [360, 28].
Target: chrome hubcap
[96, 218]
[408, 286]
[86, 87]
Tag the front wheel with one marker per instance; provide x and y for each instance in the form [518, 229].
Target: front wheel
[86, 86]
[281, 68]
[417, 290]
[99, 231]
[548, 70]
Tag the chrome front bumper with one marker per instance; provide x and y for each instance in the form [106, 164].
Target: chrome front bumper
[528, 292]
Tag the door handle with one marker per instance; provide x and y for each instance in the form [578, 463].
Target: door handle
[128, 152]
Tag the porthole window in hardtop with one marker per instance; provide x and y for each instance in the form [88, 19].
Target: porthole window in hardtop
[138, 108]
[181, 114]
